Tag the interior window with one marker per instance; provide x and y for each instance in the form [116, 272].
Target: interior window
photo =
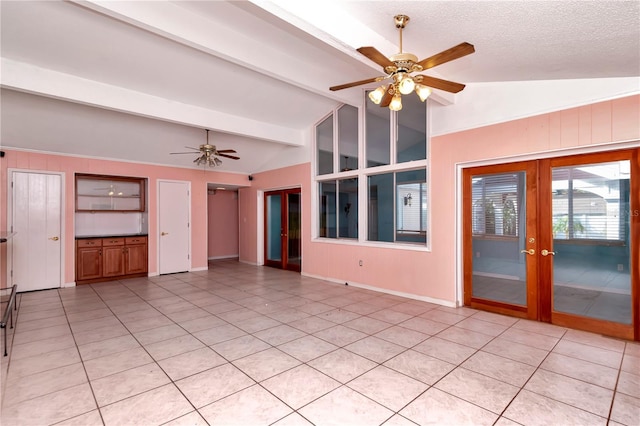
[348, 137]
[324, 146]
[378, 134]
[412, 130]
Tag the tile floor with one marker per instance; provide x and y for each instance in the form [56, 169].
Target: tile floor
[246, 345]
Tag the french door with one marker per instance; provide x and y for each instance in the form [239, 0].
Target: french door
[282, 221]
[556, 240]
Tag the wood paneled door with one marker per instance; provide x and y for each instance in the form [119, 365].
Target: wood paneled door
[556, 240]
[282, 223]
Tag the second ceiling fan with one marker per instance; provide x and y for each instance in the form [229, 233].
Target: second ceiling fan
[399, 68]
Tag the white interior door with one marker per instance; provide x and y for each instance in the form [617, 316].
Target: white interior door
[36, 248]
[173, 223]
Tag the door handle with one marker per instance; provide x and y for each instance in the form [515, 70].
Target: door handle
[54, 238]
[547, 253]
[164, 233]
[529, 252]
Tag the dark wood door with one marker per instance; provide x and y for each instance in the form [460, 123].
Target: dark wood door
[282, 229]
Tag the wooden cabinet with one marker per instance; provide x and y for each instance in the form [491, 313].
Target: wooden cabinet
[104, 259]
[96, 193]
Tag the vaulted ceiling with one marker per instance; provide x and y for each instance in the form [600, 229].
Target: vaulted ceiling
[137, 80]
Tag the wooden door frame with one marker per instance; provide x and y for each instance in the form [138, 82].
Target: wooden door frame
[63, 240]
[284, 220]
[544, 311]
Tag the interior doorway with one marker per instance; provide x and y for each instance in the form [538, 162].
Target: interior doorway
[282, 224]
[174, 239]
[556, 240]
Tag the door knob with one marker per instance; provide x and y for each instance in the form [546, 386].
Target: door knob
[547, 253]
[164, 233]
[530, 251]
[54, 238]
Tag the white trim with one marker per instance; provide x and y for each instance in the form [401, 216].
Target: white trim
[246, 262]
[259, 229]
[202, 268]
[229, 256]
[384, 290]
[63, 216]
[67, 285]
[459, 249]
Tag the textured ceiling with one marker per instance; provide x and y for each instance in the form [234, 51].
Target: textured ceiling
[138, 80]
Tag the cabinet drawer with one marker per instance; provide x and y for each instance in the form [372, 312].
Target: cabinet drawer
[135, 240]
[89, 243]
[106, 242]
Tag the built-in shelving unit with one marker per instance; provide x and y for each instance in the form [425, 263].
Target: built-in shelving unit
[95, 193]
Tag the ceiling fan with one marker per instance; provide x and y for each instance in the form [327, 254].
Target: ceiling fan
[399, 68]
[208, 154]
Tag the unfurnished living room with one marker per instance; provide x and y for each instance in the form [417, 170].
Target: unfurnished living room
[320, 213]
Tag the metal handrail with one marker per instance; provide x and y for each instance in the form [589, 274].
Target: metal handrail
[6, 314]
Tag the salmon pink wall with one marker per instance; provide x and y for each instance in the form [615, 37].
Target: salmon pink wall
[223, 224]
[431, 275]
[70, 165]
[298, 176]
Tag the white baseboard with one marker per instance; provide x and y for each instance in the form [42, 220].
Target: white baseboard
[231, 256]
[387, 291]
[250, 263]
[71, 284]
[202, 268]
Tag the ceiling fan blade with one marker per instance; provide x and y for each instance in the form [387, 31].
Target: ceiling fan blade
[227, 151]
[387, 97]
[355, 83]
[463, 49]
[377, 57]
[437, 83]
[182, 153]
[233, 157]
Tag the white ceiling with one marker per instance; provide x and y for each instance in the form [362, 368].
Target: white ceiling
[138, 80]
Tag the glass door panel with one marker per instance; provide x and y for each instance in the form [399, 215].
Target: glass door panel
[591, 241]
[274, 228]
[294, 219]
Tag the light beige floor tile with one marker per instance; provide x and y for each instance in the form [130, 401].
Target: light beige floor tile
[136, 326]
[338, 316]
[626, 409]
[631, 364]
[368, 325]
[439, 408]
[582, 370]
[127, 383]
[107, 347]
[156, 406]
[342, 365]
[293, 419]
[79, 327]
[159, 334]
[40, 314]
[528, 338]
[240, 347]
[481, 390]
[265, 364]
[42, 347]
[398, 420]
[529, 408]
[214, 384]
[633, 349]
[251, 406]
[629, 383]
[300, 385]
[22, 326]
[99, 334]
[255, 324]
[340, 335]
[585, 396]
[280, 334]
[402, 336]
[465, 337]
[516, 351]
[391, 316]
[387, 387]
[115, 363]
[89, 315]
[191, 419]
[503, 369]
[173, 347]
[445, 350]
[92, 418]
[219, 334]
[347, 407]
[51, 408]
[202, 323]
[589, 353]
[495, 318]
[311, 324]
[189, 363]
[39, 363]
[474, 324]
[39, 384]
[188, 315]
[21, 337]
[420, 366]
[596, 340]
[307, 348]
[375, 349]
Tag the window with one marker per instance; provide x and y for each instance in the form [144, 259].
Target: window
[393, 208]
[589, 201]
[496, 201]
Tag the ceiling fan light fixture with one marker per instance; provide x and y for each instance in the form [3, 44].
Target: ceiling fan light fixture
[422, 91]
[376, 95]
[406, 85]
[396, 103]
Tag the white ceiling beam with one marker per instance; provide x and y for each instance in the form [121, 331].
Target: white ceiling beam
[44, 82]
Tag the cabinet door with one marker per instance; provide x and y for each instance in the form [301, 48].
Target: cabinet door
[113, 261]
[136, 259]
[88, 263]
